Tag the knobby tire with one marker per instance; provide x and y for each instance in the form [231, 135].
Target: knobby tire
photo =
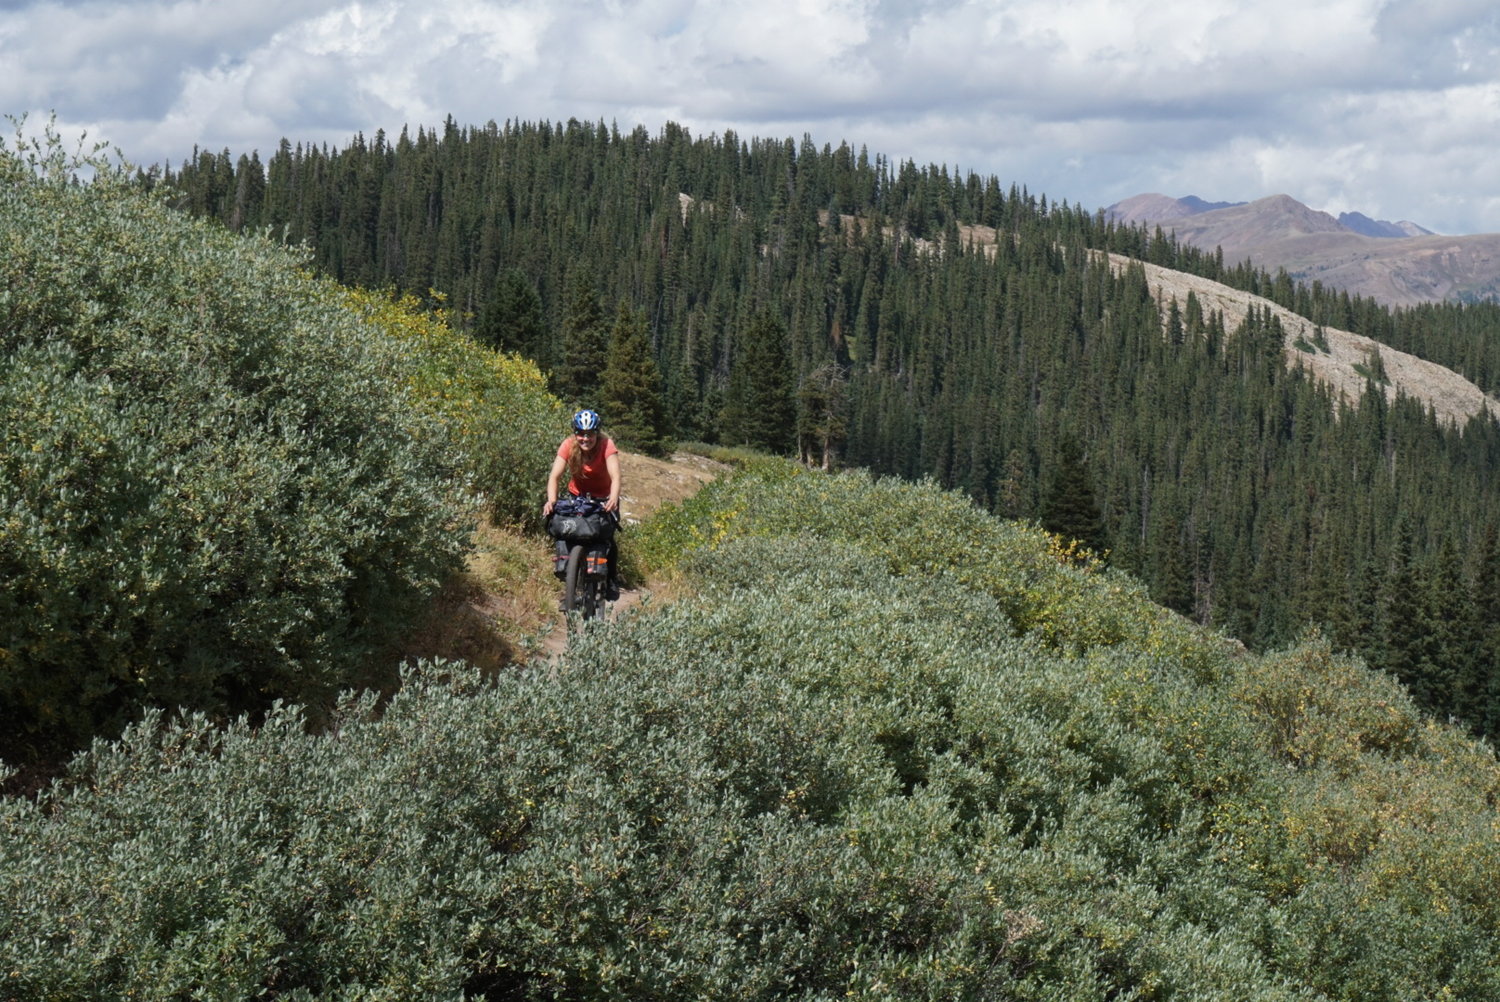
[581, 593]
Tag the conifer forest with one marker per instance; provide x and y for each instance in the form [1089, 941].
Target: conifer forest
[824, 301]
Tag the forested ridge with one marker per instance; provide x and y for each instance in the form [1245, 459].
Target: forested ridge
[822, 299]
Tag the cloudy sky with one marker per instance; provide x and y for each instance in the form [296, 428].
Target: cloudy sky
[1388, 107]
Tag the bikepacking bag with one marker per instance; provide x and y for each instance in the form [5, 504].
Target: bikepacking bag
[596, 559]
[581, 520]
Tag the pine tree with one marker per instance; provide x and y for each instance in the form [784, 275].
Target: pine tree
[1069, 509]
[630, 386]
[1407, 622]
[585, 343]
[761, 411]
[1486, 686]
[1455, 642]
[1175, 332]
[512, 319]
[822, 416]
[1173, 586]
[1013, 493]
[1360, 630]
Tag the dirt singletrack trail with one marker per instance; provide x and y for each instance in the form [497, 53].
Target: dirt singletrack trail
[647, 484]
[501, 611]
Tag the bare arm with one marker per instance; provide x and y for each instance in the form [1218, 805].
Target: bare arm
[612, 464]
[558, 465]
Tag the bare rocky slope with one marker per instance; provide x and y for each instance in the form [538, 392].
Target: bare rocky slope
[1451, 396]
[1335, 362]
[1454, 398]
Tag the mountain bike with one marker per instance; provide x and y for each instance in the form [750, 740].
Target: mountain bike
[583, 530]
[583, 582]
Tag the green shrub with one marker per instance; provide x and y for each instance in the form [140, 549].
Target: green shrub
[501, 421]
[920, 529]
[1317, 709]
[214, 489]
[810, 781]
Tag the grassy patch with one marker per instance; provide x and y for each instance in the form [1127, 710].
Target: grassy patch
[488, 614]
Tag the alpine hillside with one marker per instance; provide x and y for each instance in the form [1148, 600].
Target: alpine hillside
[880, 744]
[1268, 464]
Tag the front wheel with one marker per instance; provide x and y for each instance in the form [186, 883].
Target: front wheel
[581, 592]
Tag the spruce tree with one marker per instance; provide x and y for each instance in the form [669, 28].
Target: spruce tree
[1455, 634]
[822, 418]
[761, 411]
[585, 343]
[1486, 685]
[1407, 623]
[1013, 494]
[630, 387]
[512, 319]
[1360, 628]
[1172, 577]
[1069, 509]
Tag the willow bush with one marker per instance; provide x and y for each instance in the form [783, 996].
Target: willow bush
[501, 420]
[852, 763]
[814, 781]
[920, 528]
[215, 485]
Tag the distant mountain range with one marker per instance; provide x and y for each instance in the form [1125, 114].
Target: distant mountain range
[1400, 263]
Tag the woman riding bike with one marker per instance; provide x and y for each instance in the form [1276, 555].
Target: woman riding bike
[592, 463]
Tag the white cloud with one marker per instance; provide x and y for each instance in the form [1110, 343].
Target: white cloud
[1384, 106]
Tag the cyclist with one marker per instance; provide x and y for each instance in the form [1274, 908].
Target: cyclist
[592, 463]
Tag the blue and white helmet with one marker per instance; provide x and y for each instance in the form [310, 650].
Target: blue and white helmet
[586, 421]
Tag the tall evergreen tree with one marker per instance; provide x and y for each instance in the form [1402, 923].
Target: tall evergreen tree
[512, 319]
[1360, 629]
[1484, 713]
[1455, 633]
[822, 414]
[1408, 622]
[1173, 583]
[761, 410]
[630, 386]
[585, 343]
[1070, 509]
[1013, 493]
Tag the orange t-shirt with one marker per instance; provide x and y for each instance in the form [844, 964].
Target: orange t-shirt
[593, 476]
